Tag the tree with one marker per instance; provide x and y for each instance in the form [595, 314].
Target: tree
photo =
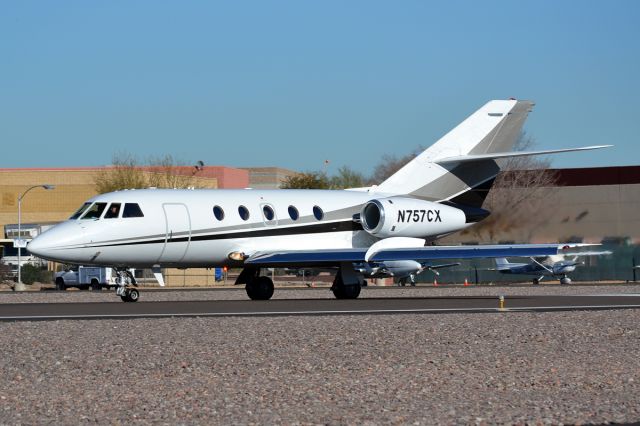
[127, 173]
[5, 273]
[306, 180]
[389, 164]
[515, 200]
[347, 178]
[31, 274]
[165, 172]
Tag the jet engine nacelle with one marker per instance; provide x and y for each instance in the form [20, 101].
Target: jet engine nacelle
[408, 217]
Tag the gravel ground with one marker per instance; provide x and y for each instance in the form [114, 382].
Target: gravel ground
[238, 293]
[563, 367]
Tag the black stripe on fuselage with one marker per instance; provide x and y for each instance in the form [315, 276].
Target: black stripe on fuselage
[318, 228]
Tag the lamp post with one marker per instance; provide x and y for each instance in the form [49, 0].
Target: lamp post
[19, 286]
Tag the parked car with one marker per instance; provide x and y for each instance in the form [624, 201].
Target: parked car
[85, 277]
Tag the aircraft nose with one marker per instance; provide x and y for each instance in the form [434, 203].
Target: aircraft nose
[41, 246]
[51, 244]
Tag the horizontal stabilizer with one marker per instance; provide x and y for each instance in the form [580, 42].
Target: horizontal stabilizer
[499, 155]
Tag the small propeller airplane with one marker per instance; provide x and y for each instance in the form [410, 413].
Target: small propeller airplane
[439, 192]
[550, 266]
[402, 271]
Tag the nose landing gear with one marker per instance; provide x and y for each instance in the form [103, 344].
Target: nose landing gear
[126, 282]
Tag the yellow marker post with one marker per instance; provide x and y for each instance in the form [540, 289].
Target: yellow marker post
[501, 303]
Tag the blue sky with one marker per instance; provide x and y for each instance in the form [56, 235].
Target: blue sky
[292, 83]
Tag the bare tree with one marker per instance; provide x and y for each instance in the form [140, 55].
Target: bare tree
[166, 172]
[515, 200]
[124, 173]
[5, 273]
[389, 164]
[127, 173]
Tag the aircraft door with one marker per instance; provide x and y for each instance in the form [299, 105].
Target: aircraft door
[178, 232]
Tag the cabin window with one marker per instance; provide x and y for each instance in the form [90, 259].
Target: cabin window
[318, 213]
[113, 211]
[218, 212]
[268, 212]
[293, 213]
[95, 211]
[81, 210]
[243, 212]
[132, 210]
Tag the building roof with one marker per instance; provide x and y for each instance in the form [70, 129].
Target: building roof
[593, 176]
[597, 176]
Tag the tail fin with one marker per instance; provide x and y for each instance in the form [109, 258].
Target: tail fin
[501, 263]
[494, 128]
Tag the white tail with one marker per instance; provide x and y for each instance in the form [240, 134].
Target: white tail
[494, 128]
[501, 262]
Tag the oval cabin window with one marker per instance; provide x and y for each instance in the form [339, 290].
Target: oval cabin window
[293, 213]
[218, 212]
[318, 213]
[268, 212]
[244, 212]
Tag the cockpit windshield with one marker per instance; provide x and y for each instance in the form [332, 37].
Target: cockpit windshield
[95, 211]
[79, 212]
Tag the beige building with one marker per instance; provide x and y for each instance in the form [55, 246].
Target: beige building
[267, 177]
[588, 205]
[73, 186]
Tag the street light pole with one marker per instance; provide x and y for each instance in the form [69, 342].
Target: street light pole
[19, 286]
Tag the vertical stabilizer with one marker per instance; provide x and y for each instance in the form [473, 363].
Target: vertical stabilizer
[502, 262]
[493, 128]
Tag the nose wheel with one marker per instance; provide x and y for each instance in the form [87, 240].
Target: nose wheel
[128, 294]
[125, 282]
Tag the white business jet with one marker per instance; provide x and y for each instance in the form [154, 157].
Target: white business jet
[439, 192]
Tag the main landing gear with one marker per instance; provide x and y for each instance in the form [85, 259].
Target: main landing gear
[126, 284]
[348, 282]
[257, 287]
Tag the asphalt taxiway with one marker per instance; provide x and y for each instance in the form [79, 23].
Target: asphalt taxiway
[209, 308]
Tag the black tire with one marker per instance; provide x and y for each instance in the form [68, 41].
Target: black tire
[95, 285]
[131, 295]
[134, 295]
[346, 291]
[536, 281]
[260, 288]
[60, 284]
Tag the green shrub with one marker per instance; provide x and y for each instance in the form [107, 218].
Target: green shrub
[32, 274]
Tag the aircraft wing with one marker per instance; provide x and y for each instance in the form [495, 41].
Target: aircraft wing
[591, 253]
[337, 256]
